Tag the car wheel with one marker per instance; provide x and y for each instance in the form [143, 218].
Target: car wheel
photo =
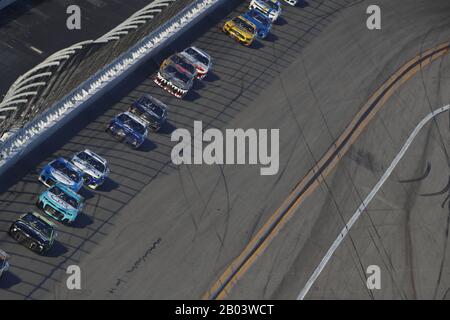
[33, 246]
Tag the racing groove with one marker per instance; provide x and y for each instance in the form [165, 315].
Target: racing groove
[239, 75]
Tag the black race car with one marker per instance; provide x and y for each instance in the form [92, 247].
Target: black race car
[151, 110]
[34, 232]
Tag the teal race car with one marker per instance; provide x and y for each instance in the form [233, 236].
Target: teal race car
[61, 203]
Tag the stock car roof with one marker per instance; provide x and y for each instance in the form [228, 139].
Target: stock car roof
[152, 99]
[93, 155]
[251, 15]
[178, 69]
[183, 58]
[199, 52]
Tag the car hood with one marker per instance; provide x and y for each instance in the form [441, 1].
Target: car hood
[59, 202]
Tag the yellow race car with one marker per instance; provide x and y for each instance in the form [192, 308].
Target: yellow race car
[241, 30]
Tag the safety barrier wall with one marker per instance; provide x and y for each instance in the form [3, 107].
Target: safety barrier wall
[61, 113]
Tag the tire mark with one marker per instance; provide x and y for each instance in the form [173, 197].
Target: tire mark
[420, 178]
[443, 191]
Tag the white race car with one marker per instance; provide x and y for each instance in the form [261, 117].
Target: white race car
[95, 169]
[270, 8]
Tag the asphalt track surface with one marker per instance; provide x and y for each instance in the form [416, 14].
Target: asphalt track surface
[160, 231]
[31, 30]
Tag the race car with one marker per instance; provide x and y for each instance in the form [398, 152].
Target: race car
[94, 168]
[128, 128]
[150, 110]
[4, 265]
[200, 59]
[270, 8]
[34, 231]
[241, 30]
[61, 203]
[174, 79]
[63, 172]
[262, 23]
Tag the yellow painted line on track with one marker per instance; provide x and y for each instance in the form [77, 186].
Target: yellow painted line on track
[258, 244]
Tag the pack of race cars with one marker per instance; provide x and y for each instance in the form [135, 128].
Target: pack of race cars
[256, 22]
[65, 177]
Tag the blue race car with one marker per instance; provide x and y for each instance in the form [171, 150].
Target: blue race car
[63, 172]
[261, 21]
[95, 169]
[128, 128]
[61, 203]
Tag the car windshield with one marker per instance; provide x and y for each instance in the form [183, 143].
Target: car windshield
[244, 24]
[91, 161]
[38, 225]
[197, 56]
[66, 170]
[178, 74]
[131, 123]
[183, 63]
[64, 196]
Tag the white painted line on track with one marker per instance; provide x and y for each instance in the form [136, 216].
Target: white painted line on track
[366, 202]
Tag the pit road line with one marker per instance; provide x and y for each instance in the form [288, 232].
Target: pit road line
[367, 201]
[229, 278]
